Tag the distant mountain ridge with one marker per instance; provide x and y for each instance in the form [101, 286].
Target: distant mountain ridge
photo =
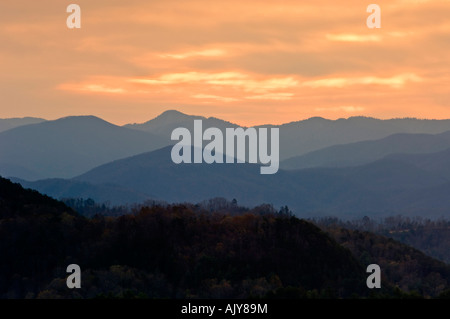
[72, 146]
[59, 188]
[301, 137]
[68, 147]
[381, 188]
[10, 123]
[166, 122]
[364, 152]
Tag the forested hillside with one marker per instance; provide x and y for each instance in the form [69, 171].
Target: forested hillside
[191, 251]
[402, 265]
[429, 236]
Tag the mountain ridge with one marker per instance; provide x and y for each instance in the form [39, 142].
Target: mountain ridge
[69, 146]
[364, 152]
[10, 123]
[384, 187]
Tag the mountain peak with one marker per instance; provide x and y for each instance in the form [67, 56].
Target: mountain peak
[84, 120]
[174, 115]
[80, 117]
[166, 118]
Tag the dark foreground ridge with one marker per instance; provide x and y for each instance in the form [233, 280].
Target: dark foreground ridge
[175, 251]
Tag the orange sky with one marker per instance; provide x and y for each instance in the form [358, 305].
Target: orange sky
[249, 62]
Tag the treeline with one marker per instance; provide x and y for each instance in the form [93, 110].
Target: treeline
[90, 208]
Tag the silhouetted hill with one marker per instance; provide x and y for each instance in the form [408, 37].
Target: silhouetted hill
[232, 257]
[384, 187]
[429, 236]
[77, 145]
[7, 124]
[437, 162]
[184, 251]
[381, 188]
[68, 147]
[104, 193]
[368, 151]
[17, 202]
[36, 235]
[155, 173]
[166, 122]
[301, 137]
[425, 275]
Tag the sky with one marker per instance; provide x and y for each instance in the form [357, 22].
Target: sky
[248, 62]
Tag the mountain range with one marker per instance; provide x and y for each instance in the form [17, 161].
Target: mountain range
[301, 137]
[33, 148]
[364, 152]
[69, 146]
[384, 187]
[373, 167]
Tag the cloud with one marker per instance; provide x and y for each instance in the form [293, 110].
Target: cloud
[347, 109]
[272, 96]
[102, 89]
[191, 54]
[348, 37]
[191, 77]
[224, 79]
[140, 57]
[214, 97]
[396, 81]
[91, 88]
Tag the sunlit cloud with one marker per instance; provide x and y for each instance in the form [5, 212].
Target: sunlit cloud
[400, 34]
[227, 79]
[190, 77]
[102, 89]
[394, 81]
[91, 88]
[191, 54]
[347, 109]
[347, 37]
[272, 96]
[363, 38]
[214, 97]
